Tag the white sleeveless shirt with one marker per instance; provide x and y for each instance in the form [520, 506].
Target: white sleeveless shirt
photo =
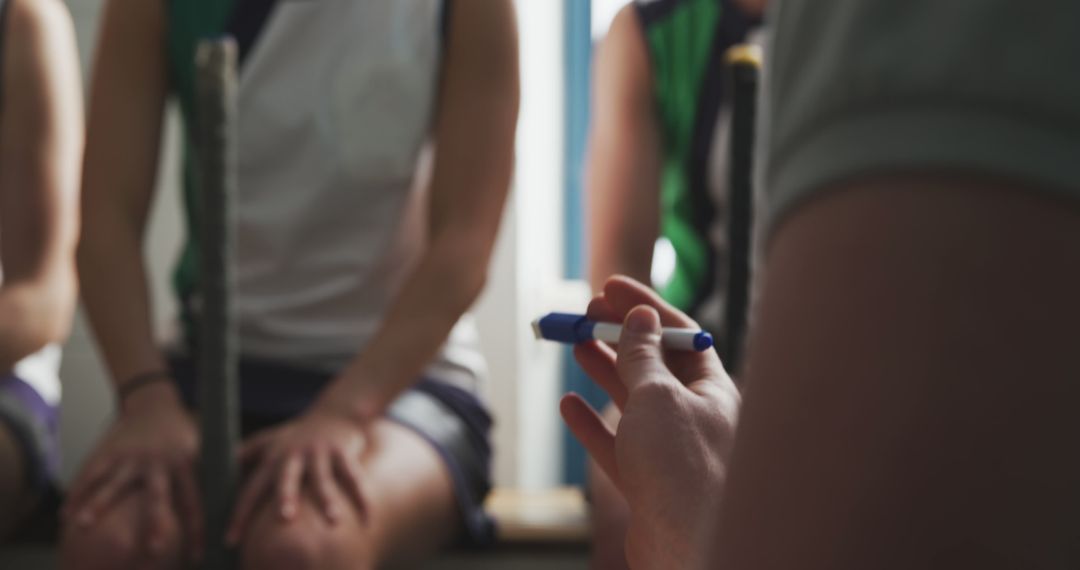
[337, 102]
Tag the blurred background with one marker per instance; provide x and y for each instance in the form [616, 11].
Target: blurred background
[537, 268]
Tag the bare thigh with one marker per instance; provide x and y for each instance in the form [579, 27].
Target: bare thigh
[412, 513]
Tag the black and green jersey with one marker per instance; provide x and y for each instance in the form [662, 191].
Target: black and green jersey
[687, 40]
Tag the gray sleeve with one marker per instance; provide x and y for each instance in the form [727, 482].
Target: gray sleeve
[879, 86]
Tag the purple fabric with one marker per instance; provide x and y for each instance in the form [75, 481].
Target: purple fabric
[467, 406]
[40, 439]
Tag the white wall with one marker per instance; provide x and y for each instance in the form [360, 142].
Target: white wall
[527, 273]
[524, 281]
[539, 264]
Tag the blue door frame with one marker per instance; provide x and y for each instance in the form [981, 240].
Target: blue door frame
[578, 62]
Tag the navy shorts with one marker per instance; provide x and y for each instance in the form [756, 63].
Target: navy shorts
[452, 420]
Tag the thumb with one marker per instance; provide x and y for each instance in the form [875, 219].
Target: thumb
[640, 357]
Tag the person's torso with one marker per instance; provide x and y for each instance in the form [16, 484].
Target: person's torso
[336, 103]
[687, 41]
[42, 369]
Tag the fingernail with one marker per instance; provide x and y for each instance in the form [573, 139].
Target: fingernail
[641, 320]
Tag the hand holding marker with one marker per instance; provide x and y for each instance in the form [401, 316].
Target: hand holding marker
[576, 329]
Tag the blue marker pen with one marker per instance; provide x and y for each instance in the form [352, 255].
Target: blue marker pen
[575, 329]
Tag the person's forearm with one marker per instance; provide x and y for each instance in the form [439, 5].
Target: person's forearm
[441, 288]
[624, 221]
[623, 176]
[41, 147]
[623, 211]
[618, 259]
[117, 300]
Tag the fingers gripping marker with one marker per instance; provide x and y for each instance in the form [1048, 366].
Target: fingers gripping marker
[577, 329]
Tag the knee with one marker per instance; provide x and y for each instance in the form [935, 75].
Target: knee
[297, 546]
[107, 546]
[117, 542]
[284, 548]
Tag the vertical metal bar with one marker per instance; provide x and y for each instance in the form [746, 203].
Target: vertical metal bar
[216, 87]
[744, 68]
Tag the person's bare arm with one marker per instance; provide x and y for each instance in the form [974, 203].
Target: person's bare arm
[913, 384]
[41, 141]
[126, 106]
[152, 443]
[623, 178]
[474, 133]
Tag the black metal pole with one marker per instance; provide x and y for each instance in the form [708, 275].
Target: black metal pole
[744, 68]
[216, 86]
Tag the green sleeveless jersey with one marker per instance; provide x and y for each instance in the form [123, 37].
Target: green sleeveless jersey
[687, 40]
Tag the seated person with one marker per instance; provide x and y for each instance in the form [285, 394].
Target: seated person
[659, 149]
[41, 135]
[912, 371]
[366, 443]
[658, 175]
